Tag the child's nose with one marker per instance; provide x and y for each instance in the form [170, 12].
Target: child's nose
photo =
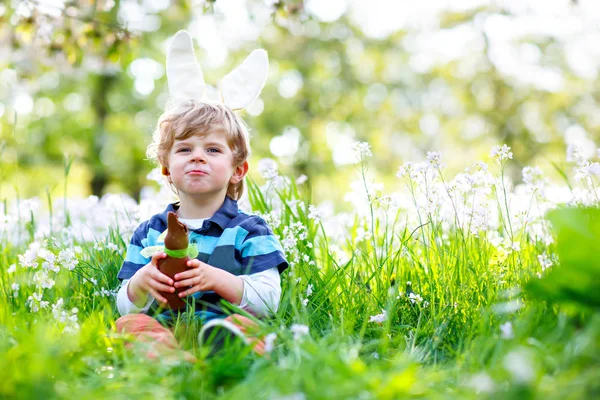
[198, 156]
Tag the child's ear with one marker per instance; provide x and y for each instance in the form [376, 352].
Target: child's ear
[165, 171]
[239, 173]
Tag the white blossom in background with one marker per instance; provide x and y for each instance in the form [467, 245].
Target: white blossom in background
[519, 364]
[415, 298]
[379, 318]
[299, 331]
[362, 150]
[314, 213]
[433, 159]
[29, 258]
[302, 179]
[309, 290]
[506, 331]
[268, 168]
[272, 218]
[67, 318]
[42, 280]
[534, 177]
[481, 383]
[67, 259]
[15, 288]
[104, 292]
[49, 260]
[35, 302]
[545, 261]
[270, 342]
[501, 153]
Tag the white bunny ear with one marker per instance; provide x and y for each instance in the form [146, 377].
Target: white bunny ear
[241, 87]
[184, 74]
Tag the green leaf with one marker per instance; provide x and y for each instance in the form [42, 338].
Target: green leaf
[576, 280]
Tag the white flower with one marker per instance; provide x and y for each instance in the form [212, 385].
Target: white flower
[270, 342]
[301, 179]
[268, 168]
[67, 259]
[309, 290]
[12, 268]
[35, 302]
[362, 150]
[533, 176]
[305, 302]
[43, 280]
[501, 153]
[15, 288]
[375, 355]
[379, 318]
[112, 246]
[506, 331]
[587, 169]
[574, 153]
[415, 298]
[433, 158]
[481, 383]
[314, 213]
[28, 259]
[545, 261]
[299, 331]
[518, 363]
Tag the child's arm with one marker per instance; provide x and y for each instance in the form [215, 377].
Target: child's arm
[258, 293]
[262, 292]
[203, 277]
[149, 280]
[126, 306]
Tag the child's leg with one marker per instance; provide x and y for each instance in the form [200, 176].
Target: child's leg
[250, 330]
[146, 329]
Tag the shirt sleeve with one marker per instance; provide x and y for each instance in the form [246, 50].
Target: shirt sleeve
[126, 306]
[261, 250]
[262, 292]
[133, 257]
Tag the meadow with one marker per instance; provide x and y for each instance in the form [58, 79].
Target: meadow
[453, 287]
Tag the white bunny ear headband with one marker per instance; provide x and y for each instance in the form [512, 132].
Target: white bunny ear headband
[238, 89]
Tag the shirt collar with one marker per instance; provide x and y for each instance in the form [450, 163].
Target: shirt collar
[227, 212]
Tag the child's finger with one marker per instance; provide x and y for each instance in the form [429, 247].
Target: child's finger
[190, 273]
[157, 296]
[194, 263]
[162, 287]
[189, 291]
[158, 256]
[187, 282]
[160, 277]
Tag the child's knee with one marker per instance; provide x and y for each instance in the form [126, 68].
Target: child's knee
[135, 323]
[245, 324]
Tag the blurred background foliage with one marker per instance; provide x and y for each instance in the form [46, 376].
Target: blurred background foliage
[85, 79]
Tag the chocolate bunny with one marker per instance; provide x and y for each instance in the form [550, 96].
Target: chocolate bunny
[176, 247]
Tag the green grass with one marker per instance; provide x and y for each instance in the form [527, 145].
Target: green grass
[487, 322]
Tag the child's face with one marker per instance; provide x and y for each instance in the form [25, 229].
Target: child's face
[203, 165]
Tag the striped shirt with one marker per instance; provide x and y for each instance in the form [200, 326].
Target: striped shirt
[232, 240]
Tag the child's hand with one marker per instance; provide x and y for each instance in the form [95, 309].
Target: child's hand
[201, 277]
[149, 279]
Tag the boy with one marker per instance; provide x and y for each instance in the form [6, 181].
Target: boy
[203, 150]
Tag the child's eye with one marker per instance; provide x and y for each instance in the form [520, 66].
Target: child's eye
[183, 149]
[213, 150]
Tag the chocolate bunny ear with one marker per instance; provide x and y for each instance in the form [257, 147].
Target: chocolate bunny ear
[184, 74]
[241, 87]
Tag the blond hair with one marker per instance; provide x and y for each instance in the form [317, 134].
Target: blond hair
[192, 118]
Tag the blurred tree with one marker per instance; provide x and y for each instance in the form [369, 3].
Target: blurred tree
[87, 78]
